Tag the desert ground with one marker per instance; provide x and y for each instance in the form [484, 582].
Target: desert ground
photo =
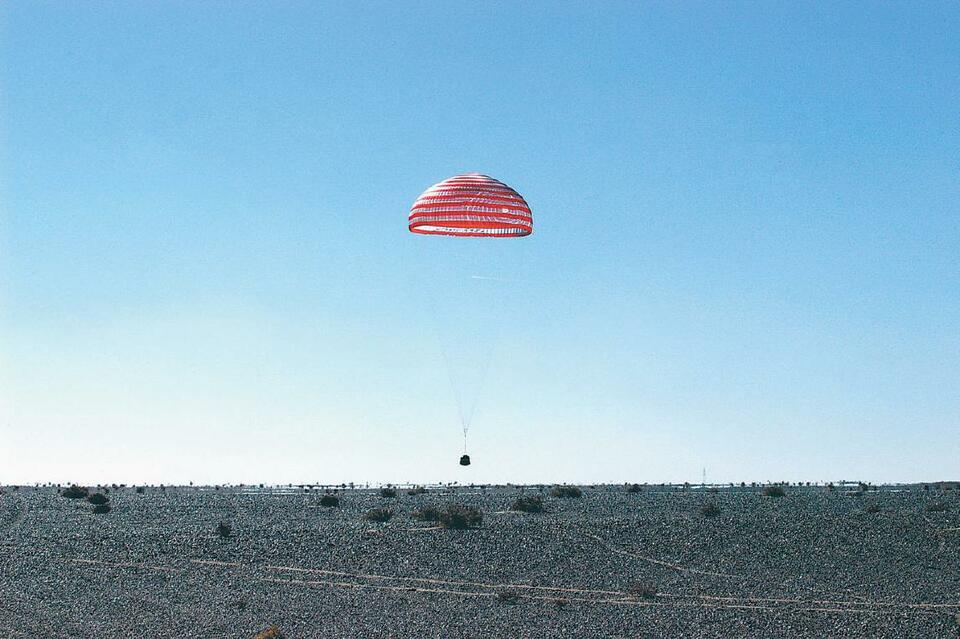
[655, 561]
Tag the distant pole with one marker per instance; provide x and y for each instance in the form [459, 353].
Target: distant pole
[703, 481]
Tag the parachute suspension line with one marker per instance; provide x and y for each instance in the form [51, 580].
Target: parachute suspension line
[488, 344]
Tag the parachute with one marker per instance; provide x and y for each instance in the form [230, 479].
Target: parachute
[473, 278]
[471, 205]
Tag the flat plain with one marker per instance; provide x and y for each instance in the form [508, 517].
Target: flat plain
[662, 561]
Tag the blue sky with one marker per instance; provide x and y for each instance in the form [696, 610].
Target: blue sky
[745, 257]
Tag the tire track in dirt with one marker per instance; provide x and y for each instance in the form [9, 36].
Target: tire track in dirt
[461, 588]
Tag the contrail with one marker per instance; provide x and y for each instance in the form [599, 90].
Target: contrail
[498, 279]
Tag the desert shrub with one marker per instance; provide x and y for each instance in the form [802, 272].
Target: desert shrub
[388, 492]
[709, 509]
[566, 492]
[379, 515]
[561, 602]
[634, 488]
[428, 513]
[224, 530]
[508, 597]
[329, 501]
[873, 508]
[936, 507]
[141, 490]
[75, 492]
[101, 509]
[643, 590]
[773, 491]
[460, 517]
[97, 499]
[417, 490]
[270, 633]
[528, 505]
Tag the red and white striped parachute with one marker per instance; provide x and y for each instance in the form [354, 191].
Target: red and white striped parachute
[471, 205]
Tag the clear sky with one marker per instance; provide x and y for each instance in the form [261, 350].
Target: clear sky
[745, 257]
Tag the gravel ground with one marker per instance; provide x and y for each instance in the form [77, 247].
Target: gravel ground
[810, 564]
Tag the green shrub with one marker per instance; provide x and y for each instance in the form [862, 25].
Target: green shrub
[773, 491]
[330, 501]
[97, 499]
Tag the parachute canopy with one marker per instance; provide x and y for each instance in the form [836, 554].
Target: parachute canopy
[471, 205]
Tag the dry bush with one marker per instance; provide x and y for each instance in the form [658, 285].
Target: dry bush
[379, 515]
[709, 509]
[428, 513]
[75, 492]
[528, 505]
[566, 492]
[643, 590]
[461, 517]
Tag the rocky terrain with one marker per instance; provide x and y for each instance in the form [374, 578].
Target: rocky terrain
[659, 561]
